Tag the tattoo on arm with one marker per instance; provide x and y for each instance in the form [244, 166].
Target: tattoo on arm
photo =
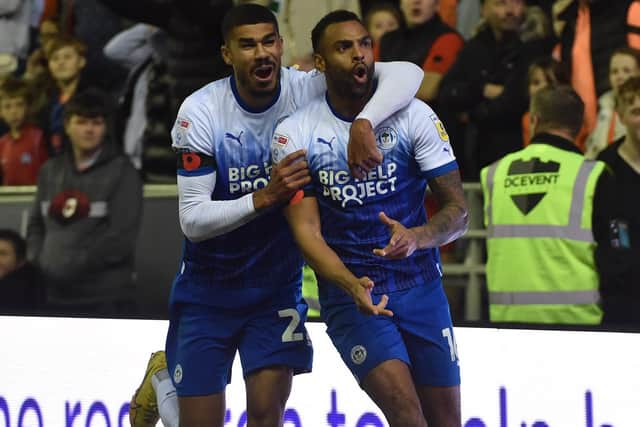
[452, 219]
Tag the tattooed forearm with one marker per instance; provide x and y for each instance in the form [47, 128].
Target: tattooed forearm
[452, 220]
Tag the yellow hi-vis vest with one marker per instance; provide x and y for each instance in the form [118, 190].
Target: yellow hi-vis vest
[540, 247]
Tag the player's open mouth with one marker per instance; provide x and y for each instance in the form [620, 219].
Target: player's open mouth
[360, 74]
[263, 73]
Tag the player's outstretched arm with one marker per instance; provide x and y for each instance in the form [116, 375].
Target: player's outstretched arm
[304, 220]
[452, 220]
[398, 84]
[449, 223]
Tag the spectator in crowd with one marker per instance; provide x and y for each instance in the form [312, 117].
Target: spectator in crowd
[485, 85]
[382, 18]
[536, 25]
[15, 19]
[94, 24]
[193, 41]
[589, 31]
[616, 222]
[543, 72]
[66, 57]
[624, 63]
[8, 65]
[22, 148]
[37, 63]
[538, 207]
[133, 49]
[19, 292]
[296, 19]
[468, 14]
[85, 217]
[426, 41]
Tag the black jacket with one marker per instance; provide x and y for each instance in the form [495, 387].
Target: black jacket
[498, 121]
[616, 205]
[20, 292]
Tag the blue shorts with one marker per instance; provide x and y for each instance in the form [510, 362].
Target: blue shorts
[420, 334]
[202, 341]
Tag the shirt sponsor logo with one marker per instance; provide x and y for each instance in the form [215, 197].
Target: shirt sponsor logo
[247, 179]
[342, 188]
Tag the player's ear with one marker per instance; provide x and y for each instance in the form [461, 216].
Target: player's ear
[226, 54]
[318, 62]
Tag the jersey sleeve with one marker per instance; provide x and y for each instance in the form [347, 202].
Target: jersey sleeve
[193, 128]
[432, 147]
[306, 85]
[192, 138]
[398, 83]
[287, 138]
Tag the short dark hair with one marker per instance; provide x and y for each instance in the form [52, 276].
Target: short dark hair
[384, 7]
[558, 107]
[555, 72]
[60, 41]
[15, 88]
[247, 14]
[628, 51]
[16, 240]
[334, 17]
[91, 102]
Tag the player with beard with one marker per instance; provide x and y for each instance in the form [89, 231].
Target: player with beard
[369, 240]
[238, 287]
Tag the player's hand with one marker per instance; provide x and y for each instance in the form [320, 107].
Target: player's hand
[287, 177]
[362, 151]
[492, 91]
[361, 294]
[403, 241]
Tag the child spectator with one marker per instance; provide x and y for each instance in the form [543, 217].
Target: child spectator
[19, 292]
[22, 148]
[382, 18]
[86, 214]
[624, 63]
[8, 65]
[543, 72]
[66, 57]
[616, 215]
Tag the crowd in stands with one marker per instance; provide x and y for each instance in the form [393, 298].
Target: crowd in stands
[113, 73]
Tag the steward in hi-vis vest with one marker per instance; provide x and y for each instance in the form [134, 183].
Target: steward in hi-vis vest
[538, 207]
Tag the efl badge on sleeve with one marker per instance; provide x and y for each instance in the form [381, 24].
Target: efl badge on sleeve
[442, 132]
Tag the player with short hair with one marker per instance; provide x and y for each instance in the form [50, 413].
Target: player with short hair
[238, 287]
[369, 240]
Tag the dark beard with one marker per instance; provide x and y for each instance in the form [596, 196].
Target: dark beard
[344, 82]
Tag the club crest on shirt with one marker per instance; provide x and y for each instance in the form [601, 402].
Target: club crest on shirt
[386, 138]
[442, 132]
[358, 354]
